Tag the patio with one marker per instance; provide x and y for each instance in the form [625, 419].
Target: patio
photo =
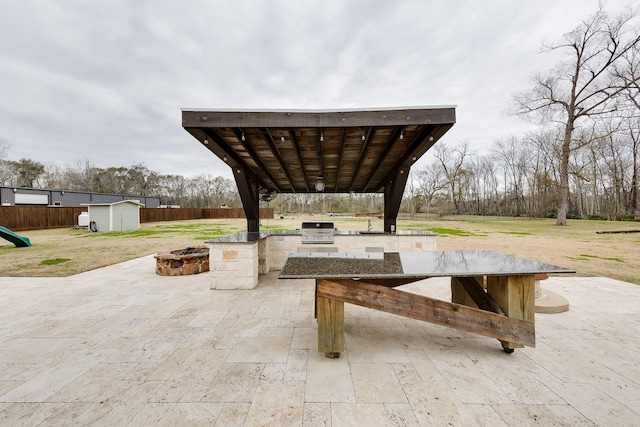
[124, 346]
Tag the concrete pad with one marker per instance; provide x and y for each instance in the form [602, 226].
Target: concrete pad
[550, 302]
[123, 346]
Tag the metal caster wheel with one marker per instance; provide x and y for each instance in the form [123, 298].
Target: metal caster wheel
[508, 350]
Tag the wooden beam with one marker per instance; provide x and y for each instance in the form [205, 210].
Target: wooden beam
[482, 300]
[437, 133]
[252, 153]
[429, 310]
[276, 153]
[393, 191]
[326, 119]
[248, 190]
[516, 297]
[414, 148]
[236, 161]
[368, 139]
[319, 143]
[330, 326]
[340, 157]
[296, 146]
[220, 152]
[383, 155]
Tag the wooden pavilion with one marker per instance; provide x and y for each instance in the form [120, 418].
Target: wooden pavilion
[307, 151]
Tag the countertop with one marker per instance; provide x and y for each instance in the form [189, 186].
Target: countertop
[246, 237]
[410, 264]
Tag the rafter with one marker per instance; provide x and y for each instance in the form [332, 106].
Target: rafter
[402, 161]
[369, 136]
[340, 157]
[319, 145]
[276, 153]
[236, 161]
[252, 153]
[383, 155]
[296, 146]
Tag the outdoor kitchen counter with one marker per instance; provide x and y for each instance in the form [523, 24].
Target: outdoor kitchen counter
[245, 237]
[237, 260]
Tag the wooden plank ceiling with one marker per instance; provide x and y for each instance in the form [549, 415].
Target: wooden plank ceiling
[353, 151]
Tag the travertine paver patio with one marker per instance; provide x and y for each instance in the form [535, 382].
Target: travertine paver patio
[122, 346]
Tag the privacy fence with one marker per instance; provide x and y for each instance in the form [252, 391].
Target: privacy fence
[20, 218]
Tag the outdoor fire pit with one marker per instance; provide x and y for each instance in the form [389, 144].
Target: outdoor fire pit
[181, 262]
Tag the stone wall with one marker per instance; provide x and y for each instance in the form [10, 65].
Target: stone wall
[176, 264]
[234, 265]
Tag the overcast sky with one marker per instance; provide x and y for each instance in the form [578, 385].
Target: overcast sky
[105, 81]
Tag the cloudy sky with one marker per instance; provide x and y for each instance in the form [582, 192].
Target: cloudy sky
[105, 81]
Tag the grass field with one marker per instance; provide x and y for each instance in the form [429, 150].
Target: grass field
[63, 252]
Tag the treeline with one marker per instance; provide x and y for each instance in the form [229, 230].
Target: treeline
[202, 191]
[519, 176]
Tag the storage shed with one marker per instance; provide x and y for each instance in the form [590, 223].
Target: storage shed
[115, 216]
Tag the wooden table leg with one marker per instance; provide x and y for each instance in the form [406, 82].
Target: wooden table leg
[330, 326]
[516, 297]
[458, 293]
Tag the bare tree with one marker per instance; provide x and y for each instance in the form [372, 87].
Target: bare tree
[630, 74]
[453, 160]
[82, 177]
[511, 157]
[587, 85]
[5, 172]
[634, 136]
[431, 180]
[487, 174]
[4, 147]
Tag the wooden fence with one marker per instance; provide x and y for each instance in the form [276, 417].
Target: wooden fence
[21, 218]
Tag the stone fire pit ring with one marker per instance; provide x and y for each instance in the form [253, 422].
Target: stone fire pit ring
[182, 262]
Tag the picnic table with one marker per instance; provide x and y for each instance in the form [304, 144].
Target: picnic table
[492, 294]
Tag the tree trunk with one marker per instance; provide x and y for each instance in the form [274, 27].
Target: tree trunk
[634, 182]
[563, 190]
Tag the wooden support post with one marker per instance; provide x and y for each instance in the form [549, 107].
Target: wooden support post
[248, 190]
[471, 291]
[330, 326]
[515, 295]
[393, 190]
[458, 293]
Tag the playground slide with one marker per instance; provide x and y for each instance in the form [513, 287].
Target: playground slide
[19, 241]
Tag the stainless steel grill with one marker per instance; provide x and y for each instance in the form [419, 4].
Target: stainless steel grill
[317, 232]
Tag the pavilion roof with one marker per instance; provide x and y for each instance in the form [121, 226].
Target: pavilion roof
[285, 151]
